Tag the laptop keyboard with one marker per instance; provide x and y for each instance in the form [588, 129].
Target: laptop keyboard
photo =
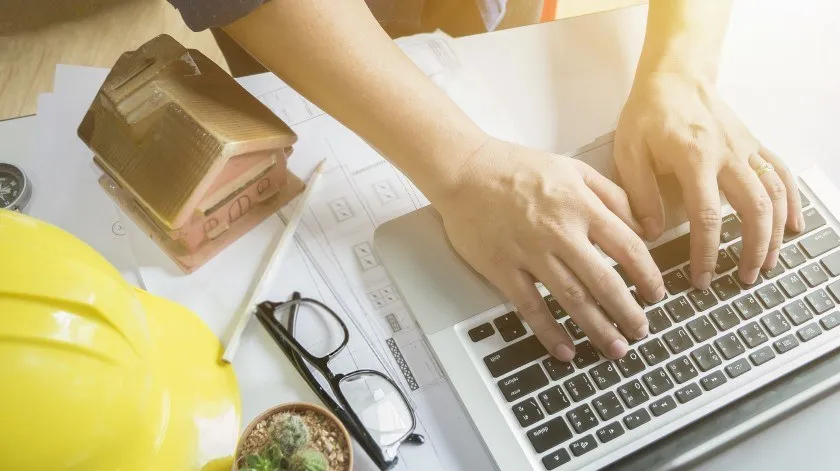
[700, 340]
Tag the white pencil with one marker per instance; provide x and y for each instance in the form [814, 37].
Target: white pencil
[268, 266]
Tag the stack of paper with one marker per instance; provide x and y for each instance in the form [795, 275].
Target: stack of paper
[333, 260]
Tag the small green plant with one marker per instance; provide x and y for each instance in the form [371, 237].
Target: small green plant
[288, 450]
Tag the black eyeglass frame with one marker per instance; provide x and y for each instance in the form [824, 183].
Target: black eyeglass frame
[385, 457]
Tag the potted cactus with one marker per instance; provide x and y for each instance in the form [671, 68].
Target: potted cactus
[295, 437]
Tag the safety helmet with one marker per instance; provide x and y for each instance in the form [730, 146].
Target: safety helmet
[97, 375]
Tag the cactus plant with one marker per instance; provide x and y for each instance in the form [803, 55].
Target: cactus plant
[290, 434]
[308, 459]
[259, 462]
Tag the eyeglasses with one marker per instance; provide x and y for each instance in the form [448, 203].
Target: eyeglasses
[371, 406]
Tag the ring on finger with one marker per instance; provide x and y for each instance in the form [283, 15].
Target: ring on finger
[764, 168]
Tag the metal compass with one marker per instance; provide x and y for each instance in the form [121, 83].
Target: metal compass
[15, 188]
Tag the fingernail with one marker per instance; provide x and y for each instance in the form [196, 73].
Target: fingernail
[660, 293]
[651, 227]
[563, 352]
[750, 276]
[800, 223]
[772, 259]
[617, 349]
[704, 280]
[641, 333]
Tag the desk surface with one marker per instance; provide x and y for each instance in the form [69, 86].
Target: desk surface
[563, 84]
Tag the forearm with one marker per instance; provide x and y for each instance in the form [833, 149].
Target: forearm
[337, 56]
[685, 36]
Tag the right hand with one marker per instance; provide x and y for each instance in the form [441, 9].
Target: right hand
[519, 215]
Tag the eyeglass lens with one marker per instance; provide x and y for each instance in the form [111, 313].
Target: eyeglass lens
[316, 329]
[379, 405]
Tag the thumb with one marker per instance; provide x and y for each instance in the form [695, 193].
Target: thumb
[635, 168]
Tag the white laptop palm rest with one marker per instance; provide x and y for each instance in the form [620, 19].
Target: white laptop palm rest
[707, 350]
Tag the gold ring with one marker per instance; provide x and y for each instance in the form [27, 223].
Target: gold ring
[764, 168]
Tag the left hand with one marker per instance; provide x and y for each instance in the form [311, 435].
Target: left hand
[675, 122]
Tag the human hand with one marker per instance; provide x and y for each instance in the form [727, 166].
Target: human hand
[519, 215]
[675, 122]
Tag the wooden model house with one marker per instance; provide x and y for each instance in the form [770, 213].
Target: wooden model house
[193, 158]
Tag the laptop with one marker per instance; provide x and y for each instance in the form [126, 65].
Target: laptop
[718, 365]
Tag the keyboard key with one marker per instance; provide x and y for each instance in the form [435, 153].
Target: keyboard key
[792, 285]
[706, 358]
[814, 275]
[528, 412]
[522, 383]
[713, 380]
[797, 312]
[481, 332]
[630, 364]
[702, 299]
[687, 393]
[701, 329]
[752, 334]
[662, 406]
[605, 375]
[819, 301]
[633, 393]
[579, 387]
[738, 368]
[585, 354]
[573, 329]
[611, 431]
[554, 307]
[725, 288]
[653, 352]
[608, 406]
[672, 253]
[804, 199]
[735, 250]
[791, 256]
[679, 309]
[762, 356]
[770, 296]
[724, 262]
[724, 318]
[637, 298]
[554, 400]
[813, 220]
[549, 434]
[729, 346]
[678, 340]
[557, 369]
[556, 459]
[747, 307]
[834, 289]
[636, 418]
[509, 326]
[830, 321]
[658, 381]
[785, 344]
[582, 418]
[682, 369]
[832, 264]
[730, 228]
[809, 332]
[657, 321]
[676, 282]
[513, 356]
[775, 323]
[583, 445]
[820, 242]
[773, 272]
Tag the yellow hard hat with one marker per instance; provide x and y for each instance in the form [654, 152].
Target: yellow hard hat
[98, 375]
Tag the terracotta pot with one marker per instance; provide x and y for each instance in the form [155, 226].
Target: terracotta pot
[295, 407]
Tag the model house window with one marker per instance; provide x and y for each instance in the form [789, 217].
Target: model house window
[239, 208]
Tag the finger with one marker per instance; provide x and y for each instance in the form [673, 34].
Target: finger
[581, 306]
[605, 285]
[639, 181]
[520, 290]
[628, 250]
[610, 194]
[795, 221]
[777, 192]
[702, 203]
[747, 195]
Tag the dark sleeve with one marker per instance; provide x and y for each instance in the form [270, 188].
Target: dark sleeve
[202, 14]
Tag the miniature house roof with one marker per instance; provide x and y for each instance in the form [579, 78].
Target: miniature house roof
[167, 121]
